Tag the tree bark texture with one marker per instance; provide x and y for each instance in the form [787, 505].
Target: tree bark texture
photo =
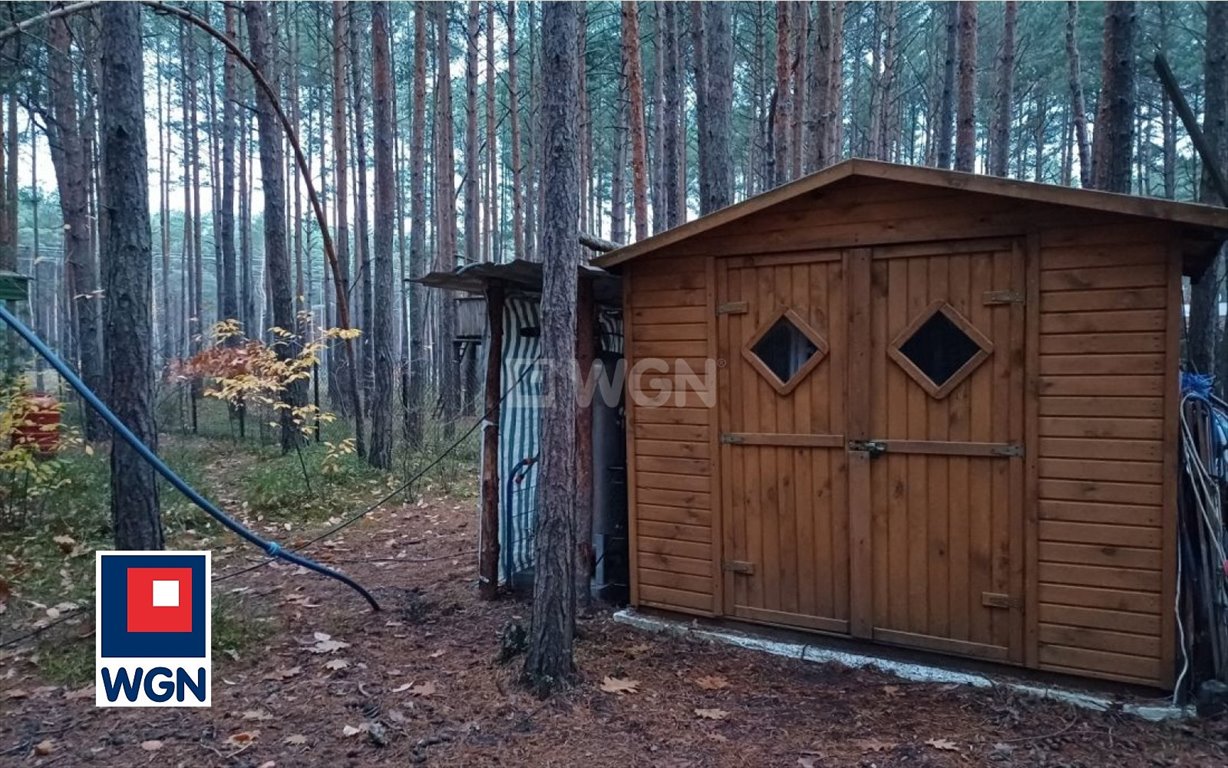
[382, 331]
[715, 126]
[276, 252]
[548, 663]
[417, 235]
[635, 116]
[128, 276]
[1112, 143]
[72, 176]
[965, 117]
[1000, 133]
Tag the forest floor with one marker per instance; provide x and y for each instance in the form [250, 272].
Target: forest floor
[305, 675]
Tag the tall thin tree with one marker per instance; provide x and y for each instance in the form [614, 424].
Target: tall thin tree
[1113, 140]
[72, 173]
[965, 112]
[128, 275]
[276, 251]
[548, 663]
[380, 454]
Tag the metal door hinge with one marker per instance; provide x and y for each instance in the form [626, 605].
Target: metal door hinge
[999, 600]
[732, 308]
[731, 439]
[1003, 297]
[738, 566]
[1010, 449]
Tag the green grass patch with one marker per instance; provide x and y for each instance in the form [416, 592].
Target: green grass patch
[67, 661]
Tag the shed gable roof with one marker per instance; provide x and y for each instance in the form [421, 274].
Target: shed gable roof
[1212, 219]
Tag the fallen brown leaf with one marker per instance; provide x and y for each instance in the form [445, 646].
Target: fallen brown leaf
[242, 738]
[619, 685]
[422, 689]
[153, 745]
[874, 745]
[44, 747]
[943, 744]
[296, 740]
[712, 714]
[712, 682]
[283, 673]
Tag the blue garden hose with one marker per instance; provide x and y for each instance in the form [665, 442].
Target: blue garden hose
[271, 548]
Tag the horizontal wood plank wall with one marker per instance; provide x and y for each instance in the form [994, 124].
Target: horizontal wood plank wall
[1102, 381]
[669, 445]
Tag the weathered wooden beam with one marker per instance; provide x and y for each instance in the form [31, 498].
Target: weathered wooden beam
[598, 244]
[488, 537]
[1191, 126]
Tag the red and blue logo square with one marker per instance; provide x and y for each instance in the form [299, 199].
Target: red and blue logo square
[153, 605]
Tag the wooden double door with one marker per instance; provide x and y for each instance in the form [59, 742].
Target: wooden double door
[871, 443]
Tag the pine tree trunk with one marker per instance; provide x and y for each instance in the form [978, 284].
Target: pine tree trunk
[71, 170]
[513, 116]
[660, 200]
[797, 76]
[1113, 143]
[782, 99]
[473, 241]
[493, 229]
[1078, 107]
[362, 220]
[674, 197]
[635, 116]
[229, 307]
[276, 253]
[128, 276]
[1000, 133]
[965, 119]
[715, 157]
[449, 383]
[338, 363]
[548, 664]
[835, 98]
[818, 89]
[417, 235]
[382, 331]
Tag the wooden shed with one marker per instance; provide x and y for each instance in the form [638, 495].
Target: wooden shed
[943, 415]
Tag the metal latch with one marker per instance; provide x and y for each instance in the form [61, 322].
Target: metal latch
[733, 308]
[739, 566]
[729, 438]
[874, 448]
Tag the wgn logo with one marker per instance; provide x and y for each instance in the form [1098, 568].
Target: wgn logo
[153, 629]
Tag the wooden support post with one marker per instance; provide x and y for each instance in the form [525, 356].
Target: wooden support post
[488, 557]
[585, 320]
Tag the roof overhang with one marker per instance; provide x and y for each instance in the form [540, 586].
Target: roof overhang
[1205, 226]
[519, 275]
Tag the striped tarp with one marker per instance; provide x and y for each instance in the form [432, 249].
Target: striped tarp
[520, 426]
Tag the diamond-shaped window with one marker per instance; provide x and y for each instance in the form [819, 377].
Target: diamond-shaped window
[939, 349]
[785, 349]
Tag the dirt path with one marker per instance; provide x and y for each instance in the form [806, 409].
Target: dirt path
[320, 681]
